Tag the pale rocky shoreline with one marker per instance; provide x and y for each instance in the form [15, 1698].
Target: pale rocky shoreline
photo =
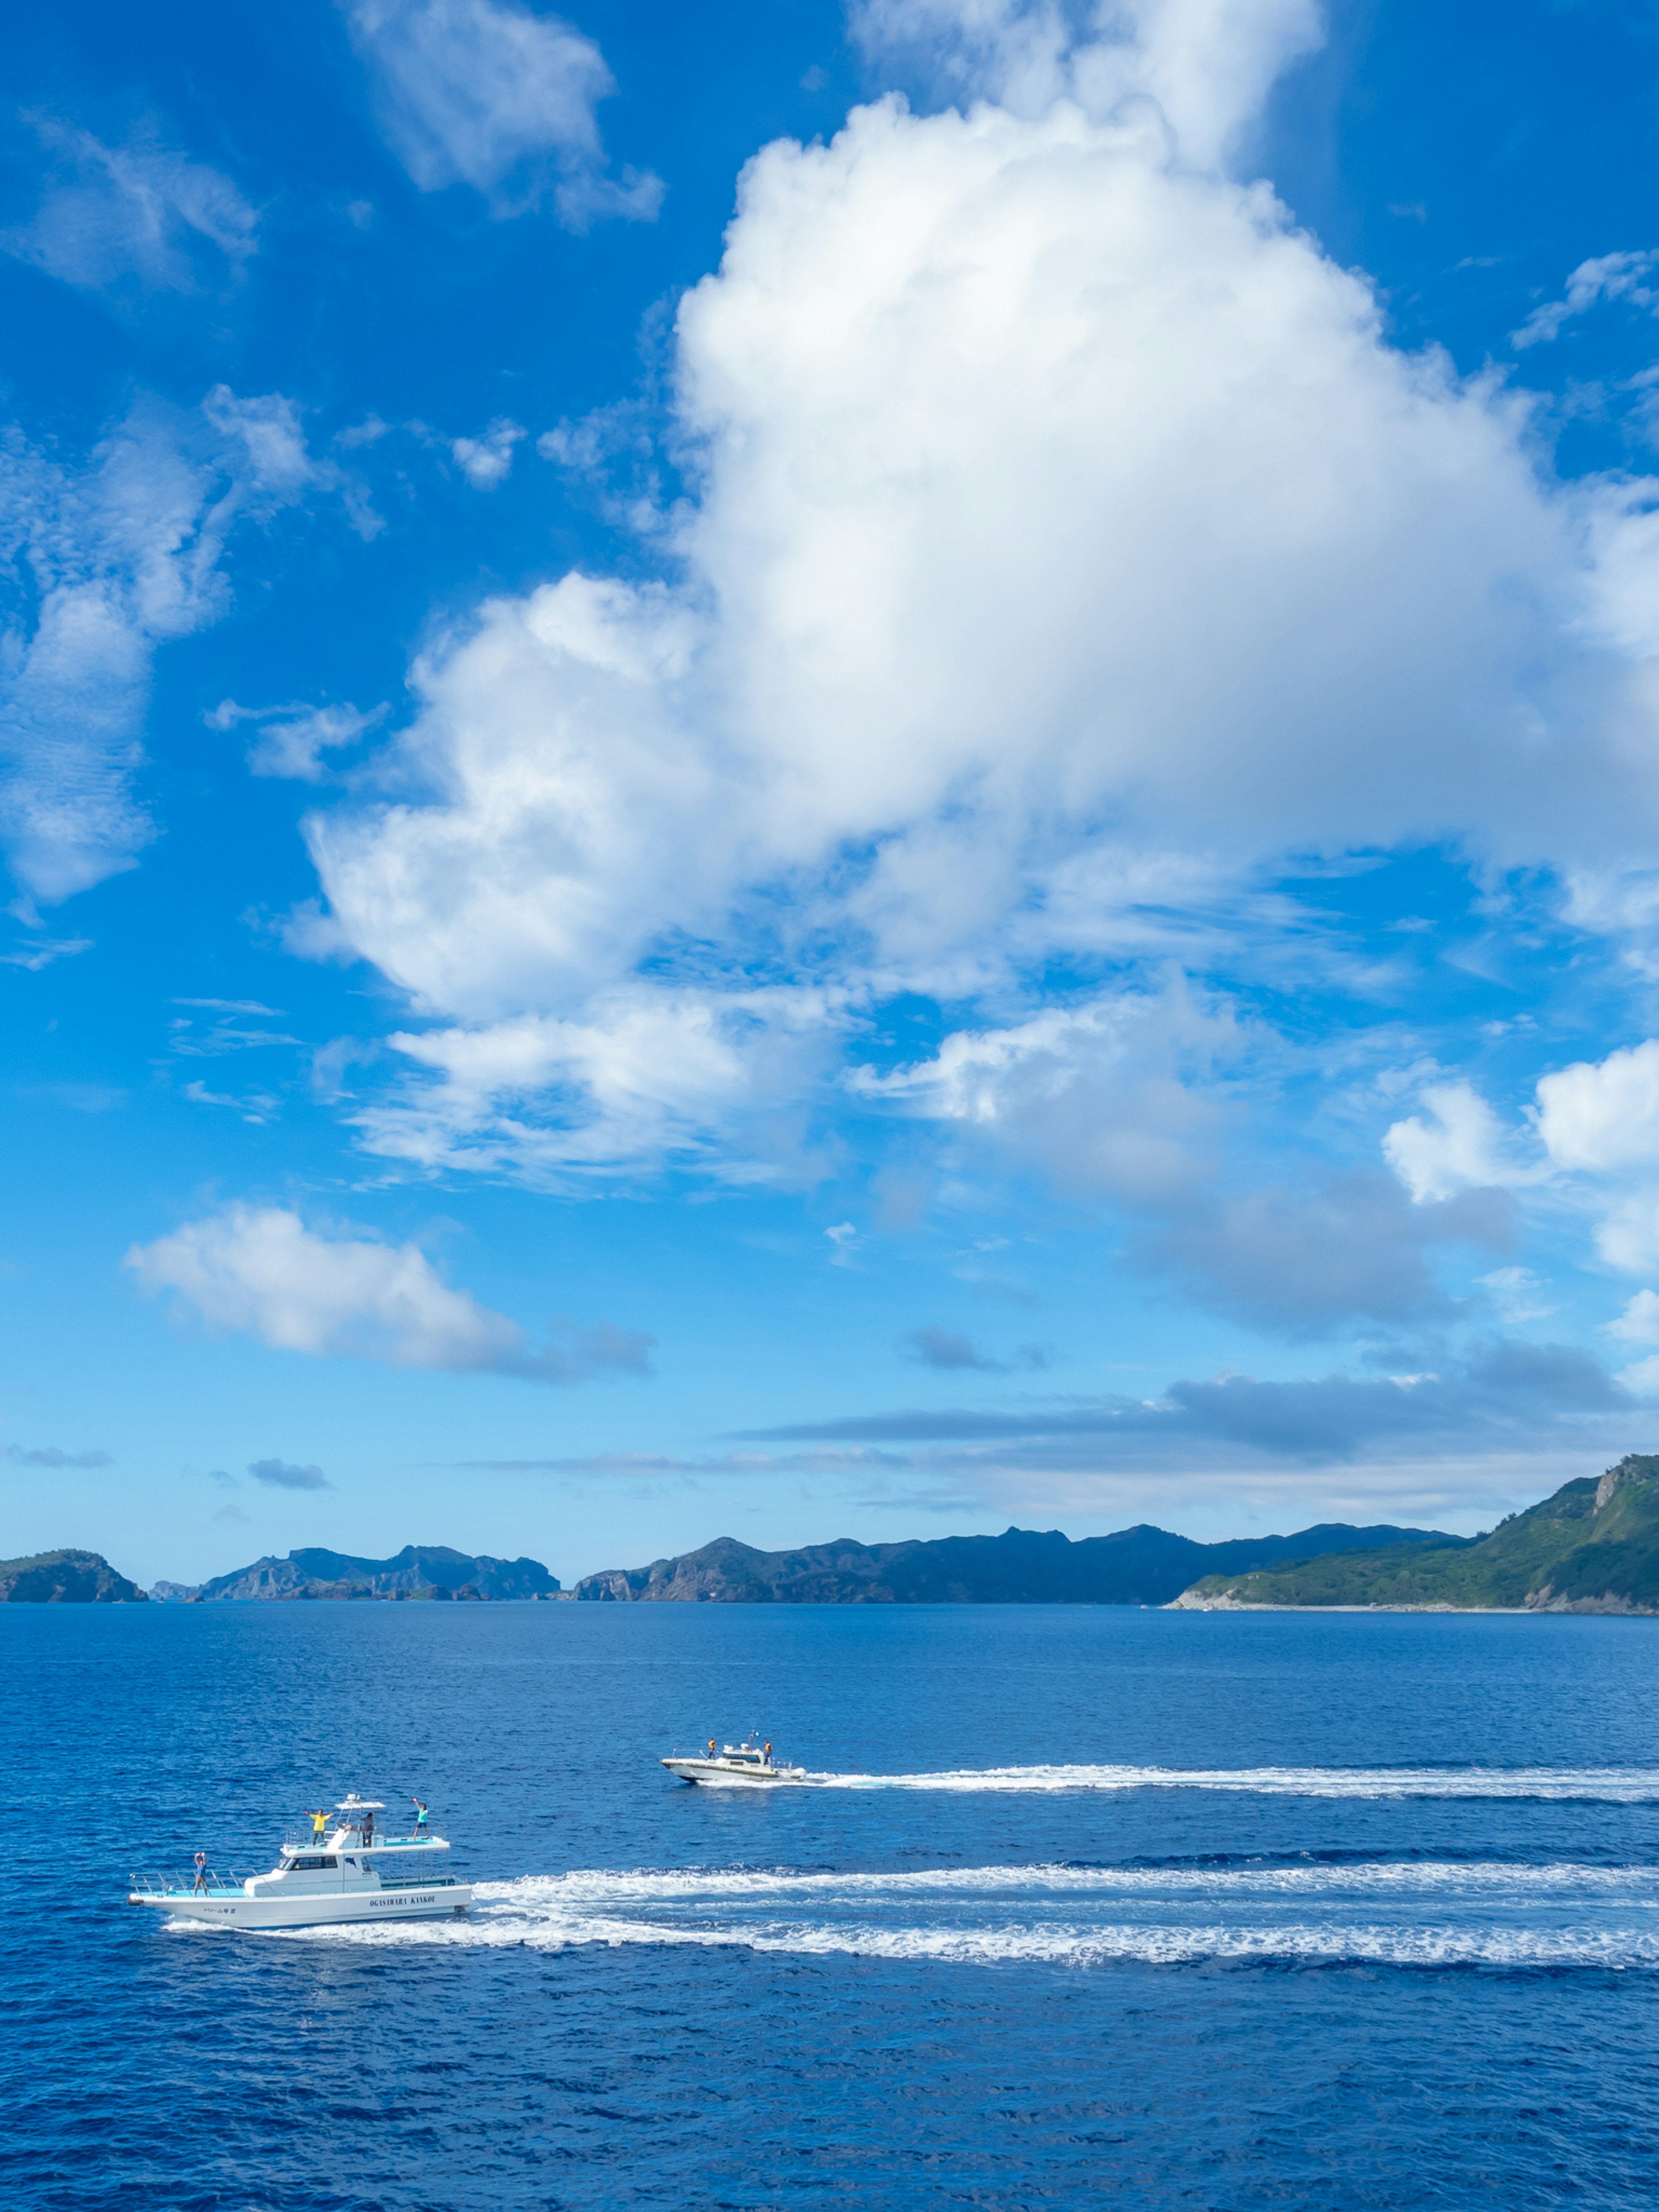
[1606, 1608]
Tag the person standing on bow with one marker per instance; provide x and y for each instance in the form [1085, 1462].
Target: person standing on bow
[419, 1804]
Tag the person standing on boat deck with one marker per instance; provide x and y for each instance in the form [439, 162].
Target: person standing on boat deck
[318, 1823]
[768, 1755]
[369, 1831]
[711, 1746]
[420, 1816]
[201, 1872]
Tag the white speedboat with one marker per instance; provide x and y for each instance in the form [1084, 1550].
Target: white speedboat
[739, 1766]
[352, 1872]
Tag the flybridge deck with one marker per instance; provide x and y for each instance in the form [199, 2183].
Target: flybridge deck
[350, 1871]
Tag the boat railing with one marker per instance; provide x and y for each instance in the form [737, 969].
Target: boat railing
[210, 1884]
[307, 1843]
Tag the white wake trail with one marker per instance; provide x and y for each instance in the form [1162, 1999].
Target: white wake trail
[1437, 1913]
[1617, 1785]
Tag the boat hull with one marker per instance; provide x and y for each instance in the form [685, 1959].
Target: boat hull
[439, 1902]
[714, 1776]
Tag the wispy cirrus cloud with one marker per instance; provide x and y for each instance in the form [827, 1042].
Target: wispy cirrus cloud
[141, 211]
[1503, 1394]
[104, 564]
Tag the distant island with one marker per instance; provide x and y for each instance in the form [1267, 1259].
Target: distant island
[65, 1578]
[418, 1572]
[1593, 1547]
[1142, 1565]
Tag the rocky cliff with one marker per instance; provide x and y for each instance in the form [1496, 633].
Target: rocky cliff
[65, 1578]
[1135, 1566]
[1592, 1548]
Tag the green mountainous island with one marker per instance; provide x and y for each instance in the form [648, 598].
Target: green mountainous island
[1135, 1566]
[1593, 1547]
[419, 1571]
[66, 1579]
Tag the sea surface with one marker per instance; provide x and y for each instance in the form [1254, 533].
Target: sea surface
[1170, 1908]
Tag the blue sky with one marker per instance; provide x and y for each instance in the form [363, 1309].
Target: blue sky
[804, 772]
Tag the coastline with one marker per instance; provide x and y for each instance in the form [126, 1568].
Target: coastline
[1530, 1612]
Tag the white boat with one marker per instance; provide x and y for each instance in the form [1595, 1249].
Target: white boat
[739, 1766]
[352, 1873]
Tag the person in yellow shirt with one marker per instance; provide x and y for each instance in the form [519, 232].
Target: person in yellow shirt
[318, 1823]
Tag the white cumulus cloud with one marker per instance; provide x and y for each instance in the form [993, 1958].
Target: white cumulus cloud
[1639, 1322]
[1205, 66]
[1069, 547]
[1603, 1115]
[1457, 1143]
[260, 1270]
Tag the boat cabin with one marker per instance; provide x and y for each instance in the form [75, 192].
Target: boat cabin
[353, 1856]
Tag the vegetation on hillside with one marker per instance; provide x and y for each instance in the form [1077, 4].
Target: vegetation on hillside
[1592, 1548]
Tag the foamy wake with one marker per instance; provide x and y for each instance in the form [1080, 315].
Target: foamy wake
[1437, 1913]
[1619, 1785]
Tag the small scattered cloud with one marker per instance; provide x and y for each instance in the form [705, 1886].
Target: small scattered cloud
[1610, 277]
[257, 1106]
[1518, 1295]
[217, 1038]
[844, 1242]
[291, 740]
[487, 94]
[948, 1351]
[141, 210]
[1603, 1115]
[284, 1474]
[233, 1513]
[232, 1006]
[1639, 1322]
[945, 1349]
[486, 460]
[261, 1271]
[50, 1456]
[1457, 1143]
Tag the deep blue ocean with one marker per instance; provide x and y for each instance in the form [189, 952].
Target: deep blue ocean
[1174, 1909]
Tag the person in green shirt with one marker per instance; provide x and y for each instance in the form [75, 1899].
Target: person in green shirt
[420, 1816]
